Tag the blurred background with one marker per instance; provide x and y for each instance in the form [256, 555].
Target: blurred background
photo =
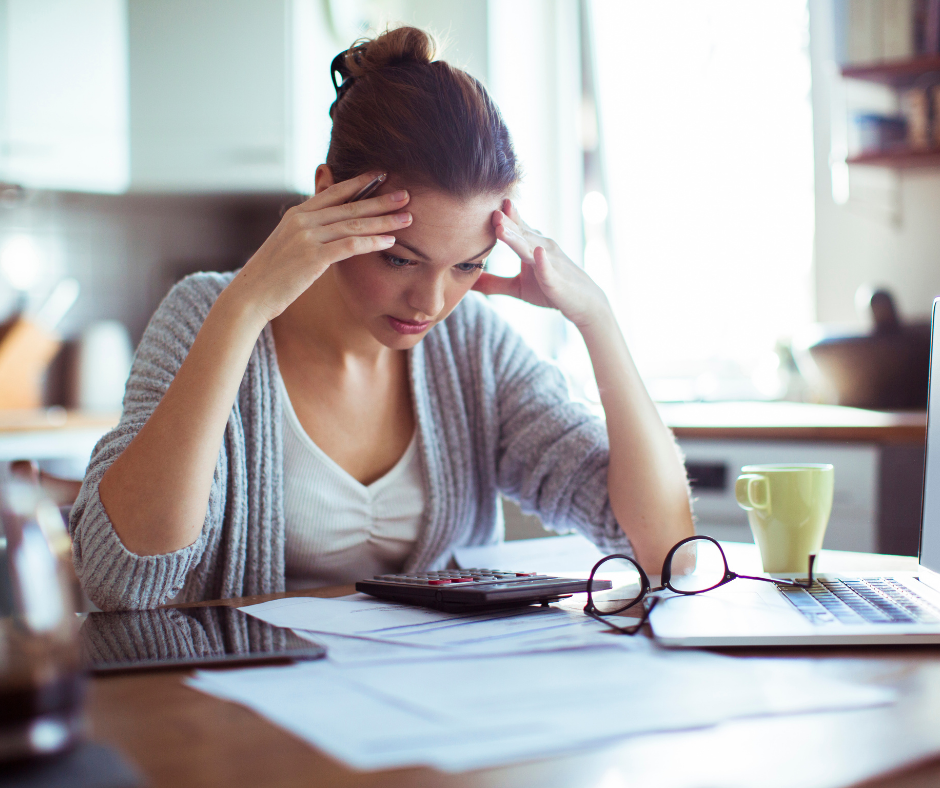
[756, 186]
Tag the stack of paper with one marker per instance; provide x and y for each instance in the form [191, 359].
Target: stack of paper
[407, 686]
[471, 712]
[431, 634]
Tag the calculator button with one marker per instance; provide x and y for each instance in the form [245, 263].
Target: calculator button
[439, 582]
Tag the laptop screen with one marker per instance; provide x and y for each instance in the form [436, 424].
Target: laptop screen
[930, 520]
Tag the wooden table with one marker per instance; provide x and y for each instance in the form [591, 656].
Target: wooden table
[179, 737]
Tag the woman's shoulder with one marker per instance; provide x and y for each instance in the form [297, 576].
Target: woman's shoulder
[187, 304]
[174, 325]
[199, 290]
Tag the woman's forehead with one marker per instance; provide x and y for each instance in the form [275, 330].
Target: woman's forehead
[441, 209]
[446, 226]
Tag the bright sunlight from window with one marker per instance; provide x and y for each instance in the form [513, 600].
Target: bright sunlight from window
[706, 134]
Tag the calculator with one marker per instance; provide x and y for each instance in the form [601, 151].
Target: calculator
[473, 590]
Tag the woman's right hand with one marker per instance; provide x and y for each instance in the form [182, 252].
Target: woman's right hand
[311, 237]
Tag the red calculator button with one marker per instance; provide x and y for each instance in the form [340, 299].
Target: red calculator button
[438, 582]
[526, 574]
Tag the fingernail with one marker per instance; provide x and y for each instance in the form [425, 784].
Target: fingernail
[403, 218]
[399, 196]
[387, 240]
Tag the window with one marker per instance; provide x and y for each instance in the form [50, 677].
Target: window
[705, 132]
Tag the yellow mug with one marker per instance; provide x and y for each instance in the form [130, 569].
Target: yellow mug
[788, 507]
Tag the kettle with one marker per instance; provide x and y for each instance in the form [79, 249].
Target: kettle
[885, 368]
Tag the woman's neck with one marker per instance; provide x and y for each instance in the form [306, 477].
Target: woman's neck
[319, 326]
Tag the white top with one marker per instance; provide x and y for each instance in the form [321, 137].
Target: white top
[339, 530]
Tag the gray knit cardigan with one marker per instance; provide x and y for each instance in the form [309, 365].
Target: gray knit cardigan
[491, 417]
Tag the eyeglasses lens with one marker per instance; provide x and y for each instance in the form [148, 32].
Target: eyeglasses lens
[626, 586]
[697, 566]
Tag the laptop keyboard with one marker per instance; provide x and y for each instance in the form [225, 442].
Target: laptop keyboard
[874, 600]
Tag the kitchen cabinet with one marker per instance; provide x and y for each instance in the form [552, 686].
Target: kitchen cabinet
[63, 94]
[878, 458]
[228, 95]
[713, 467]
[165, 95]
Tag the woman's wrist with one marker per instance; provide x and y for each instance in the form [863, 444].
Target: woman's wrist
[597, 318]
[238, 307]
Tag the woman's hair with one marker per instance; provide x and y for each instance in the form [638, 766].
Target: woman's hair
[398, 110]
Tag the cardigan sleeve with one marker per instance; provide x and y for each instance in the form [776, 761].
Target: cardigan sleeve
[553, 452]
[112, 576]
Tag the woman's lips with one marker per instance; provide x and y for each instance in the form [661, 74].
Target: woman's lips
[407, 326]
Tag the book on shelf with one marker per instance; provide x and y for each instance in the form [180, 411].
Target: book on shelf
[915, 105]
[885, 30]
[929, 36]
[898, 29]
[935, 103]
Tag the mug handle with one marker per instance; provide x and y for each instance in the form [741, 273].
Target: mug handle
[752, 492]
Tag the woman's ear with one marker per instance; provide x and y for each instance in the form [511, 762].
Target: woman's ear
[324, 178]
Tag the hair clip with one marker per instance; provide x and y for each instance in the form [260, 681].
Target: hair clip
[338, 66]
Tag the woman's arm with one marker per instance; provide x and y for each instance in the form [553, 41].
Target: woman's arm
[156, 492]
[646, 479]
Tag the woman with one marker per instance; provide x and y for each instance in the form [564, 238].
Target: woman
[338, 409]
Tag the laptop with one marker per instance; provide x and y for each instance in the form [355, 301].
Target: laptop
[864, 608]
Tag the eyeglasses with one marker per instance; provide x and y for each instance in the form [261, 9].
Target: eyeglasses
[692, 566]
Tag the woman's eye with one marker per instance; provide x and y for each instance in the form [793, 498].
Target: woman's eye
[395, 262]
[469, 268]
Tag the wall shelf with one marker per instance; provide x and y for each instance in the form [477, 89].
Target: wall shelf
[898, 159]
[894, 73]
[898, 75]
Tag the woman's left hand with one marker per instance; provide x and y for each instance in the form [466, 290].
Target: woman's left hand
[548, 277]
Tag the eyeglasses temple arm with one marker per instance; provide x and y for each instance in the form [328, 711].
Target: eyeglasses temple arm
[808, 583]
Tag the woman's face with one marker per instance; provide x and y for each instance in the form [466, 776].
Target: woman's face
[399, 294]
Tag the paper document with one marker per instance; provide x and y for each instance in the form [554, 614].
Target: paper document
[567, 556]
[516, 630]
[469, 713]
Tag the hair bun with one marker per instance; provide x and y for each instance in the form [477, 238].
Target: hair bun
[392, 48]
[424, 122]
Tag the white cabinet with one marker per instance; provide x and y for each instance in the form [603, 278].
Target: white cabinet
[228, 95]
[165, 95]
[853, 524]
[63, 94]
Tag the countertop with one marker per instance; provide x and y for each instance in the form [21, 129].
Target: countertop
[792, 421]
[52, 433]
[45, 419]
[705, 420]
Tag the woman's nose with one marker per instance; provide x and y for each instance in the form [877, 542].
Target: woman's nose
[428, 297]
